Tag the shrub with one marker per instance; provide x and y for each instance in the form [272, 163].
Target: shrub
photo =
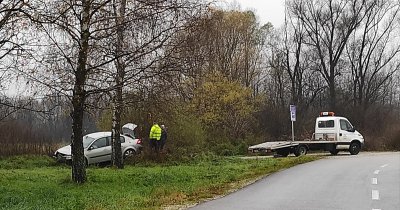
[241, 148]
[186, 136]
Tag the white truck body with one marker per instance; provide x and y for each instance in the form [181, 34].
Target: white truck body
[332, 134]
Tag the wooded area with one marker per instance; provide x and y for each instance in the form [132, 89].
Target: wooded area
[218, 79]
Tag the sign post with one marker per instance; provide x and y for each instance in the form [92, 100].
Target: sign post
[293, 118]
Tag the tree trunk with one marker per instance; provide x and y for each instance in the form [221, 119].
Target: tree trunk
[78, 99]
[78, 161]
[116, 155]
[78, 102]
[332, 95]
[117, 159]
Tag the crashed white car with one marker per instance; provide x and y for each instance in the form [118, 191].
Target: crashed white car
[97, 146]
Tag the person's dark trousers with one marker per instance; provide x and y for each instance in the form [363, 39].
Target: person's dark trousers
[153, 144]
[163, 139]
[157, 145]
[162, 143]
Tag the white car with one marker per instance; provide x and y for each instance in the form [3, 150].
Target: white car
[97, 146]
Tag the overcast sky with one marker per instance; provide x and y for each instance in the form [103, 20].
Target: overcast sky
[266, 10]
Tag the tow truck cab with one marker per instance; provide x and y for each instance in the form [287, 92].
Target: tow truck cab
[334, 128]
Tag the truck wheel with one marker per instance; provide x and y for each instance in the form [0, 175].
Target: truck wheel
[283, 152]
[354, 148]
[300, 150]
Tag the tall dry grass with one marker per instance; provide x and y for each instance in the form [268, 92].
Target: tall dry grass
[19, 139]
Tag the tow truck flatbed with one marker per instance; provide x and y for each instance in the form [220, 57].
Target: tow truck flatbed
[274, 145]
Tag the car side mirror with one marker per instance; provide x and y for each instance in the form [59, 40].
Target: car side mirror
[90, 148]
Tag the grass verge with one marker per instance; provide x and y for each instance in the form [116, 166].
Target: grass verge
[41, 184]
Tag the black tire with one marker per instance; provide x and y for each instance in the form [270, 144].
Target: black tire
[355, 148]
[86, 163]
[283, 152]
[300, 150]
[129, 153]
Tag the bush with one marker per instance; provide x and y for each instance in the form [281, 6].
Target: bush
[386, 140]
[186, 136]
[225, 105]
[395, 140]
[224, 149]
[241, 148]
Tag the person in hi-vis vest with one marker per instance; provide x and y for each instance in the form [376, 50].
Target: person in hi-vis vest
[155, 137]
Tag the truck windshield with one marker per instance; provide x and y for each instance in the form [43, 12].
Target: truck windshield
[326, 124]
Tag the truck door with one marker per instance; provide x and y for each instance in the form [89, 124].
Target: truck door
[345, 131]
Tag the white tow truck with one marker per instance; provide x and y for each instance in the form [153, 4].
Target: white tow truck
[332, 133]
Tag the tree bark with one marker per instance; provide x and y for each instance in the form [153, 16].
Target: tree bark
[332, 94]
[78, 161]
[117, 159]
[116, 155]
[78, 99]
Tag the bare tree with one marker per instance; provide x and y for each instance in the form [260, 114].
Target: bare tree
[298, 63]
[143, 30]
[11, 22]
[119, 14]
[373, 53]
[225, 41]
[329, 25]
[293, 59]
[72, 62]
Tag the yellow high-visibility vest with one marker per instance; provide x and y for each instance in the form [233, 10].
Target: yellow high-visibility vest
[155, 132]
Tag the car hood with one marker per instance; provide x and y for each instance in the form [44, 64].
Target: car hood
[65, 150]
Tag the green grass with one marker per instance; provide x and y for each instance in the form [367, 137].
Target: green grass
[41, 184]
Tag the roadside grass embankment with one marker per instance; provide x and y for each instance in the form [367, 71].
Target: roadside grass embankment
[32, 182]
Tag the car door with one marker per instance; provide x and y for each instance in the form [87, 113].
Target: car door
[99, 151]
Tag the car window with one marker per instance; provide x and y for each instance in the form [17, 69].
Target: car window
[345, 125]
[326, 124]
[101, 142]
[109, 140]
[87, 141]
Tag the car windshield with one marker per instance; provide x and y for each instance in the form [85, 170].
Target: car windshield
[87, 140]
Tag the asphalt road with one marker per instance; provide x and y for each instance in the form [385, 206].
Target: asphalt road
[365, 181]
